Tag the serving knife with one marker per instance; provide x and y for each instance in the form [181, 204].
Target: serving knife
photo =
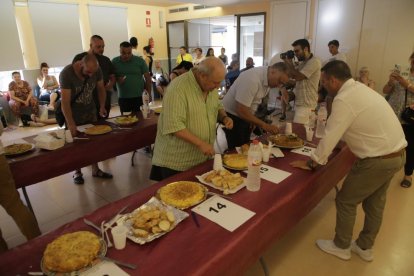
[128, 265]
[93, 225]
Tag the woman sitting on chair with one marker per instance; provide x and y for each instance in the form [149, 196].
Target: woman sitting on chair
[21, 95]
[48, 86]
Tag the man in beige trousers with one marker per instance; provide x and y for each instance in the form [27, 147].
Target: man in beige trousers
[370, 128]
[11, 202]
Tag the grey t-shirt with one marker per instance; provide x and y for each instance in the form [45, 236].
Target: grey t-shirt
[306, 90]
[83, 109]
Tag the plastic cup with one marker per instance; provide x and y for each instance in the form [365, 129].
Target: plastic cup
[266, 154]
[288, 128]
[119, 234]
[309, 134]
[145, 111]
[218, 163]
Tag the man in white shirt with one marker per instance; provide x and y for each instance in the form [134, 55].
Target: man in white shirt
[333, 46]
[368, 125]
[244, 97]
[306, 75]
[11, 202]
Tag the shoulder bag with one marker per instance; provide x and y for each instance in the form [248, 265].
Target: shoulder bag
[407, 114]
[60, 117]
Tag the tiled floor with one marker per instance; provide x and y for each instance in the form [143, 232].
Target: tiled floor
[58, 201]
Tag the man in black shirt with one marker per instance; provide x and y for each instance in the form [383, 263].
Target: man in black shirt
[97, 46]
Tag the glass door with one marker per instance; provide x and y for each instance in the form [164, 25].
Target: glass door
[176, 37]
[251, 38]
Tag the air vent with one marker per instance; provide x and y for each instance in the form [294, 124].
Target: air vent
[201, 7]
[20, 3]
[178, 10]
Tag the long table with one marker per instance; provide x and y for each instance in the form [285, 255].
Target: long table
[41, 165]
[210, 249]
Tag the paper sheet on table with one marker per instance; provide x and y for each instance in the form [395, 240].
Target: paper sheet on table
[307, 151]
[17, 141]
[111, 120]
[223, 212]
[272, 174]
[276, 152]
[105, 268]
[83, 127]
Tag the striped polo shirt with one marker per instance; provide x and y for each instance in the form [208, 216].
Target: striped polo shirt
[184, 107]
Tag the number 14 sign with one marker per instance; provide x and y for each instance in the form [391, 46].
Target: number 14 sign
[223, 212]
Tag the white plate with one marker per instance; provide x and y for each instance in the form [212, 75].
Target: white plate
[231, 191]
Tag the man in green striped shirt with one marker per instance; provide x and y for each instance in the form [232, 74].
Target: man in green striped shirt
[187, 125]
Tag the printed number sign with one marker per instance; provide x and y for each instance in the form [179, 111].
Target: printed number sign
[223, 212]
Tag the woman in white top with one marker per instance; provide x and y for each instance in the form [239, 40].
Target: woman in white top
[48, 86]
[364, 78]
[199, 56]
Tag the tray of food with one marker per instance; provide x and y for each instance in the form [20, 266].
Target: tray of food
[72, 253]
[235, 161]
[98, 130]
[158, 110]
[126, 120]
[182, 194]
[291, 141]
[18, 148]
[151, 221]
[223, 180]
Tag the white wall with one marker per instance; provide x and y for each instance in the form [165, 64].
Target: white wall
[289, 22]
[387, 37]
[341, 20]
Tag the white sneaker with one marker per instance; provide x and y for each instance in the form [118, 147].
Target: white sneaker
[366, 254]
[329, 247]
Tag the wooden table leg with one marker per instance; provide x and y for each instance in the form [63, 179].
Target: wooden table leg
[29, 205]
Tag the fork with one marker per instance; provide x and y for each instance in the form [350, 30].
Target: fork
[213, 194]
[105, 234]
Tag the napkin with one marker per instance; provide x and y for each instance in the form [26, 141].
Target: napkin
[83, 127]
[104, 268]
[276, 152]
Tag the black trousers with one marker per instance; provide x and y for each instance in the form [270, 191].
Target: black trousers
[160, 173]
[130, 104]
[409, 136]
[239, 134]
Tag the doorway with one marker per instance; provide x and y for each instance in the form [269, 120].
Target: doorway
[242, 36]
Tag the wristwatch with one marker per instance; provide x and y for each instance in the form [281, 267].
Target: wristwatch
[311, 164]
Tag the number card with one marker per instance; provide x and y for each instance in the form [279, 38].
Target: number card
[223, 212]
[304, 151]
[272, 174]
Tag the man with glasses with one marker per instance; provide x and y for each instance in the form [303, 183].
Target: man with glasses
[77, 82]
[187, 125]
[306, 75]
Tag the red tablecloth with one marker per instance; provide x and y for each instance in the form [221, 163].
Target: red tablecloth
[209, 250]
[41, 165]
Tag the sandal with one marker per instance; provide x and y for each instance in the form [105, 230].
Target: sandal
[405, 183]
[78, 178]
[100, 174]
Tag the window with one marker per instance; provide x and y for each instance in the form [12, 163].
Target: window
[57, 31]
[6, 78]
[10, 50]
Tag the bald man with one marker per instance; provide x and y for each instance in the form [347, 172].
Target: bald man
[77, 82]
[187, 125]
[97, 47]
